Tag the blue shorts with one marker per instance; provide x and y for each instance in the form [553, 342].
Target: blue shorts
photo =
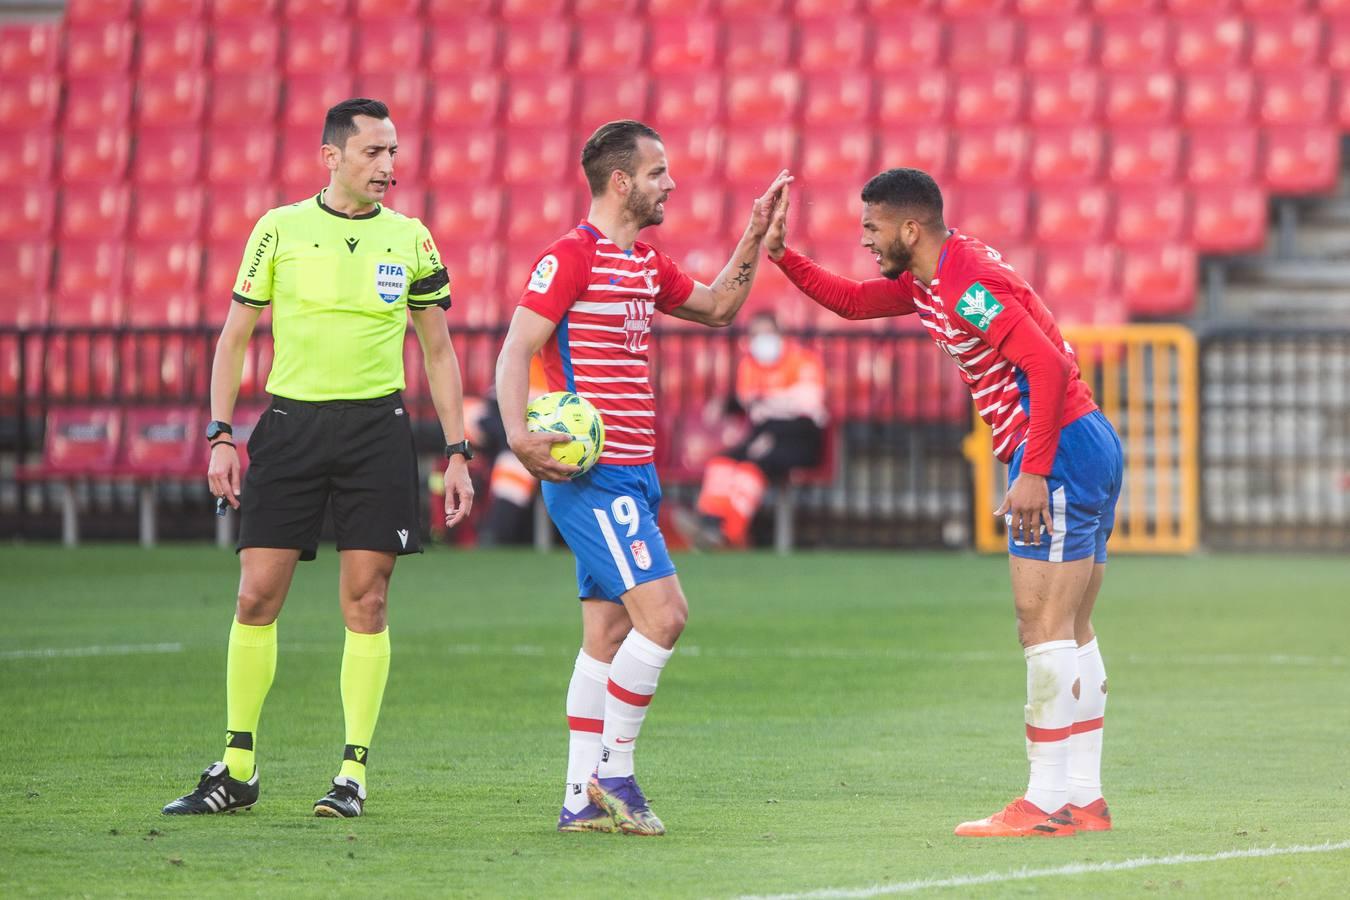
[608, 518]
[1084, 486]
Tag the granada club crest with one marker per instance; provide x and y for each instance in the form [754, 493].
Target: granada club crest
[641, 555]
[636, 323]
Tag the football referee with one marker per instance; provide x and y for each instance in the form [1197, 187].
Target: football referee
[338, 270]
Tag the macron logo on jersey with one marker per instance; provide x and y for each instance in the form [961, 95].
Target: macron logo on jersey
[544, 273]
[978, 307]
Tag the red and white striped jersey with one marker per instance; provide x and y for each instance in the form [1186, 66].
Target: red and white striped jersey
[602, 299]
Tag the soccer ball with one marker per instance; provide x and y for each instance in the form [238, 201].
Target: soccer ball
[566, 413]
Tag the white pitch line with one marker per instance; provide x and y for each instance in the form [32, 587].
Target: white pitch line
[98, 650]
[1143, 862]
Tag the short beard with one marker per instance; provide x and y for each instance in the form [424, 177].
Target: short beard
[643, 210]
[900, 257]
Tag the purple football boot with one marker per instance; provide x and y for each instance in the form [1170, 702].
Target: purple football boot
[622, 799]
[591, 818]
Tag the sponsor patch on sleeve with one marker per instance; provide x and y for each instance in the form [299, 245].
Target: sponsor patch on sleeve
[978, 306]
[543, 274]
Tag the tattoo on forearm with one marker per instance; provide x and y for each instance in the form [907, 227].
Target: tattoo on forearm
[742, 276]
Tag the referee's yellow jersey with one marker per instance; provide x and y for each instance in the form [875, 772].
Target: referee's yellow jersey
[339, 289]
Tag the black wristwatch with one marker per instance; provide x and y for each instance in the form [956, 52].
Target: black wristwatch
[463, 448]
[216, 429]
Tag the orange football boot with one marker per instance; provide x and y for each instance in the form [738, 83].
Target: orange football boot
[1019, 819]
[1093, 817]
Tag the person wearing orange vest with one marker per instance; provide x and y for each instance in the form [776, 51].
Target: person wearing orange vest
[781, 386]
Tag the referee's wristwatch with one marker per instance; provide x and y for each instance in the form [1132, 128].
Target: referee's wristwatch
[463, 448]
[216, 429]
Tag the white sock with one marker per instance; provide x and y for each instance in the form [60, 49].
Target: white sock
[585, 720]
[1085, 742]
[632, 681]
[1052, 668]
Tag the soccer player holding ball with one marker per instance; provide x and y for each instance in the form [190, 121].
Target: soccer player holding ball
[587, 308]
[1064, 468]
[341, 274]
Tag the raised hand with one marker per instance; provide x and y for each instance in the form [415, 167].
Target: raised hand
[775, 238]
[761, 216]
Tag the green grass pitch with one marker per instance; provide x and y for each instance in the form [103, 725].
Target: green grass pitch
[828, 720]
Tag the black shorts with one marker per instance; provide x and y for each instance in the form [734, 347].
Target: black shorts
[357, 455]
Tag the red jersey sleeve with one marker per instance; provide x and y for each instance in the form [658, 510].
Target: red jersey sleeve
[674, 287]
[871, 299]
[560, 276]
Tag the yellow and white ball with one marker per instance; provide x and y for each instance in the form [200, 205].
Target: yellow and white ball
[565, 413]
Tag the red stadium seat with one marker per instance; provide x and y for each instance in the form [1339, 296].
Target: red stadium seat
[609, 7]
[232, 211]
[1144, 156]
[535, 48]
[309, 97]
[532, 157]
[762, 97]
[245, 98]
[1209, 42]
[31, 217]
[980, 45]
[1141, 43]
[1151, 215]
[447, 9]
[29, 264]
[1119, 7]
[162, 443]
[168, 211]
[476, 280]
[694, 151]
[684, 45]
[170, 10]
[391, 44]
[1054, 43]
[981, 8]
[606, 96]
[167, 47]
[1283, 6]
[918, 100]
[221, 266]
[657, 8]
[540, 100]
[29, 48]
[466, 213]
[929, 149]
[30, 100]
[695, 211]
[36, 156]
[98, 10]
[990, 156]
[1077, 213]
[162, 283]
[1034, 9]
[1063, 98]
[845, 255]
[1197, 6]
[245, 47]
[95, 102]
[1229, 219]
[531, 9]
[1159, 280]
[837, 99]
[1076, 278]
[300, 162]
[1341, 114]
[94, 155]
[686, 98]
[756, 44]
[405, 93]
[751, 7]
[907, 43]
[244, 160]
[408, 198]
[98, 50]
[1302, 160]
[95, 211]
[834, 44]
[828, 210]
[316, 47]
[1285, 41]
[462, 100]
[840, 152]
[993, 97]
[468, 45]
[1294, 98]
[238, 10]
[1223, 156]
[314, 9]
[80, 441]
[610, 44]
[1067, 155]
[169, 156]
[1338, 42]
[1141, 98]
[1218, 98]
[172, 99]
[89, 283]
[756, 155]
[468, 155]
[994, 217]
[534, 219]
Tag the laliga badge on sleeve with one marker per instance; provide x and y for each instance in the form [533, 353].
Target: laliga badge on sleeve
[543, 274]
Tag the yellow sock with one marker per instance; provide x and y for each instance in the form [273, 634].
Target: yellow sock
[249, 667]
[365, 669]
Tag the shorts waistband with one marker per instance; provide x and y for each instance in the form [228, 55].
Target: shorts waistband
[388, 400]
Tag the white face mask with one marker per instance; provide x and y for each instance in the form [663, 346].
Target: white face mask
[766, 348]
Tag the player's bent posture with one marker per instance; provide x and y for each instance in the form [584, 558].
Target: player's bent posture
[341, 273]
[588, 309]
[1064, 461]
